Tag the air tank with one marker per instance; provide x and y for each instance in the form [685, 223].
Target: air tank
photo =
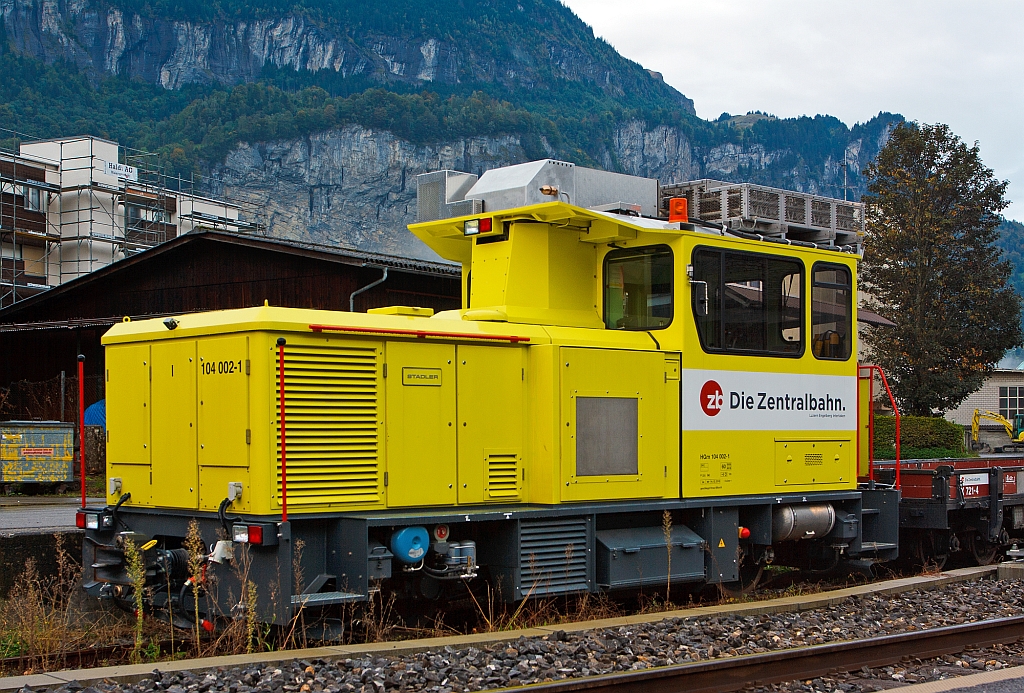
[792, 522]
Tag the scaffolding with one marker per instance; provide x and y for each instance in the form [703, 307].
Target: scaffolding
[71, 206]
[27, 233]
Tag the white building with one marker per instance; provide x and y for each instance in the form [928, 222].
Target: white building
[1002, 393]
[73, 205]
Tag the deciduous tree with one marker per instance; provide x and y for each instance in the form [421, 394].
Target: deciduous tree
[931, 267]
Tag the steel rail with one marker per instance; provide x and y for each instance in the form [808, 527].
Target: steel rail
[82, 658]
[734, 673]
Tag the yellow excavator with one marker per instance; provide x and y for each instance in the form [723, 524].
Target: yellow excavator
[1014, 429]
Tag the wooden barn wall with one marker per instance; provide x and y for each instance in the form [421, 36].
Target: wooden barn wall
[197, 276]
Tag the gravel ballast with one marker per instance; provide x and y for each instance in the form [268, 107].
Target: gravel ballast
[917, 671]
[603, 651]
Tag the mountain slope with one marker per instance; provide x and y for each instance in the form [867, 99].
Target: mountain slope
[269, 98]
[501, 46]
[1011, 241]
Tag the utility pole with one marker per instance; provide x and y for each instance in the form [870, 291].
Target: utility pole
[846, 176]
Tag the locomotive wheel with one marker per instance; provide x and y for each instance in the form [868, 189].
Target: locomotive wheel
[980, 550]
[929, 550]
[750, 576]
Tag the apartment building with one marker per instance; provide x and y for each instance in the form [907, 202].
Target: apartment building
[73, 205]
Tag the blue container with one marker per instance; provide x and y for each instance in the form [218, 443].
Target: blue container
[410, 544]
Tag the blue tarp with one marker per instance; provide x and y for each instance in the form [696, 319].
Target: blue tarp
[96, 414]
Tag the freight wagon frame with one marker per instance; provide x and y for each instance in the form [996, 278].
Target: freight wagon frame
[971, 507]
[606, 368]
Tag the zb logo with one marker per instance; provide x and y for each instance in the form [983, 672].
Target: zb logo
[712, 400]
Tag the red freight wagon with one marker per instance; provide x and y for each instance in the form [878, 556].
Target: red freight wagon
[970, 509]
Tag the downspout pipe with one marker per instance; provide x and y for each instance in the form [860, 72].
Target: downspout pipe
[352, 296]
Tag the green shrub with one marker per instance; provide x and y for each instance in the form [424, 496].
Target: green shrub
[921, 437]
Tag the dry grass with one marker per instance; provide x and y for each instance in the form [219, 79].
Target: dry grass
[42, 622]
[497, 616]
[46, 619]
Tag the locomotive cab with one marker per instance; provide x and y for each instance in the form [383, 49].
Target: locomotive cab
[620, 396]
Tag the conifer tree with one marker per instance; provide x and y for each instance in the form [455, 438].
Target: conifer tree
[931, 267]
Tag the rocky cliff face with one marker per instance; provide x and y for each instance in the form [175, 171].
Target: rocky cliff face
[356, 187]
[351, 187]
[104, 40]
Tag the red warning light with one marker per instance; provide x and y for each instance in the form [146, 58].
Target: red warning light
[678, 210]
[255, 534]
[744, 533]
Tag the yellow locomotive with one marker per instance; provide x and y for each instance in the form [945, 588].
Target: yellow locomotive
[608, 366]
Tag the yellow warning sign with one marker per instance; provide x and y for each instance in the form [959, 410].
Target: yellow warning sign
[721, 543]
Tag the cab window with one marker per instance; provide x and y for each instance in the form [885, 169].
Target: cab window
[638, 288]
[831, 312]
[748, 303]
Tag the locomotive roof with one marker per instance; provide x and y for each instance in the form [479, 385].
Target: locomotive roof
[447, 237]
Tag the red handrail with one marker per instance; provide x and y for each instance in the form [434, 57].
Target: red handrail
[284, 454]
[419, 333]
[871, 419]
[81, 421]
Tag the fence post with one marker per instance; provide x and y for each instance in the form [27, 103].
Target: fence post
[81, 420]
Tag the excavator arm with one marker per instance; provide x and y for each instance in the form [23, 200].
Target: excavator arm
[998, 418]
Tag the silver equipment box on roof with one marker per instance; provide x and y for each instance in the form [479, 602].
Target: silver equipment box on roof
[442, 195]
[520, 185]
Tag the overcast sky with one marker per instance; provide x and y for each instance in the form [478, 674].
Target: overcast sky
[959, 63]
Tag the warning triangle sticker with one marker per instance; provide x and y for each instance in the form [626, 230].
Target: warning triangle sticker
[721, 543]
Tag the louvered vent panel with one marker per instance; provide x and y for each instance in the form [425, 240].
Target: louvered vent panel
[735, 203]
[553, 556]
[503, 476]
[331, 400]
[846, 218]
[821, 214]
[764, 204]
[711, 206]
[796, 209]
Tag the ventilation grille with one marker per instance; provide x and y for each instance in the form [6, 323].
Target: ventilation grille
[711, 206]
[465, 208]
[503, 476]
[735, 202]
[813, 458]
[331, 400]
[846, 218]
[429, 200]
[796, 209]
[764, 204]
[821, 214]
[553, 556]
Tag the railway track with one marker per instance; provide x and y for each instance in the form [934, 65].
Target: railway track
[736, 673]
[84, 658]
[916, 624]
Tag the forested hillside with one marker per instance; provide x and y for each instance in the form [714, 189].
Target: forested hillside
[192, 80]
[1011, 240]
